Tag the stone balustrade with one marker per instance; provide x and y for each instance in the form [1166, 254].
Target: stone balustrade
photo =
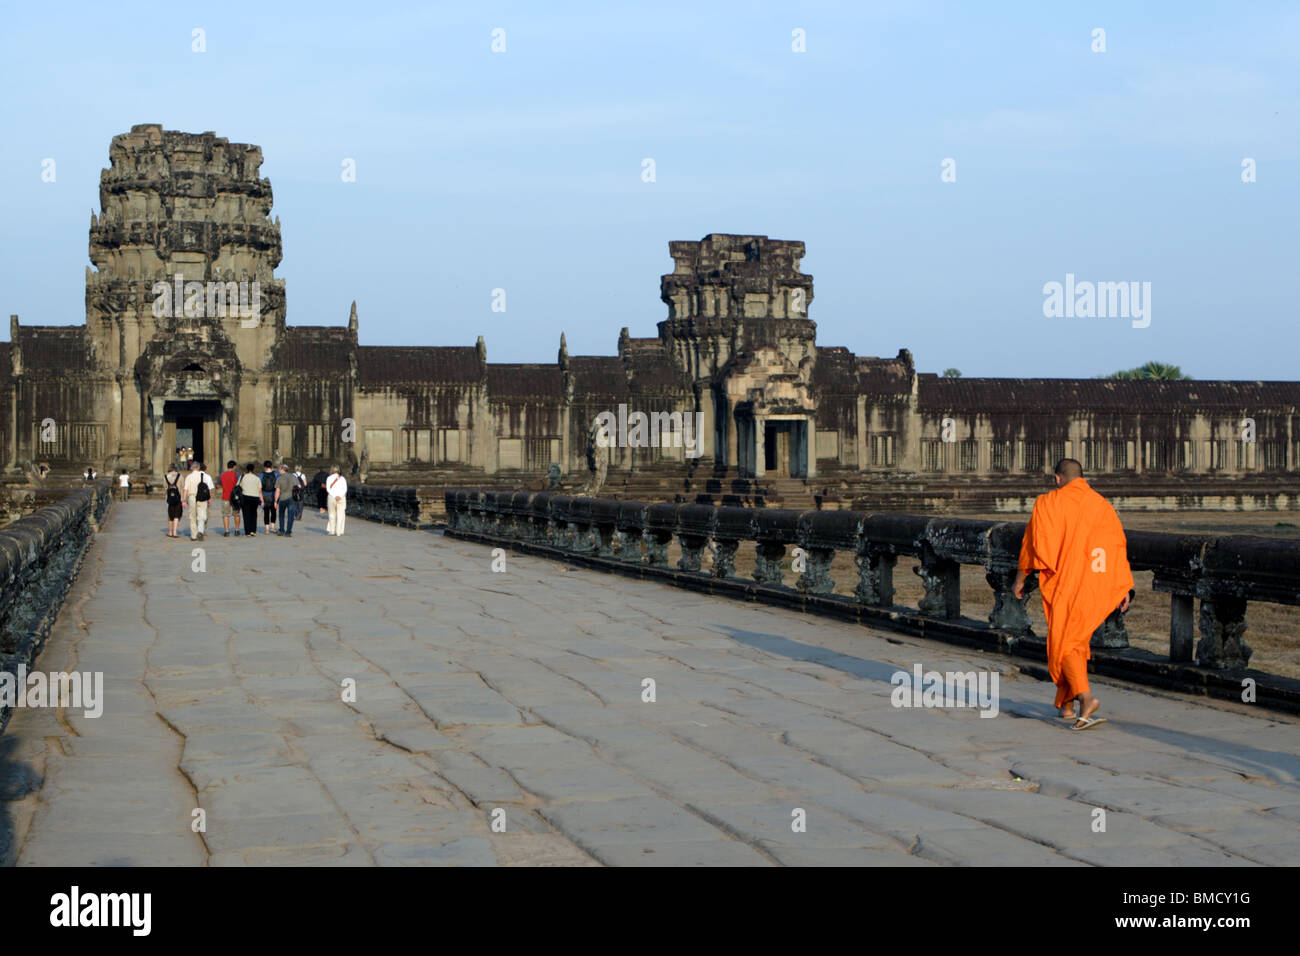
[39, 559]
[407, 506]
[1223, 573]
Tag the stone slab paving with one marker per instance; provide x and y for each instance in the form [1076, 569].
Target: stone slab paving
[518, 696]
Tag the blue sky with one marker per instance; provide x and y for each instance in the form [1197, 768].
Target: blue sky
[522, 170]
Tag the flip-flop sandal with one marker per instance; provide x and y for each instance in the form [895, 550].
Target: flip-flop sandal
[1090, 722]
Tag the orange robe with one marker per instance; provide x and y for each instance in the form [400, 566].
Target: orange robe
[1076, 543]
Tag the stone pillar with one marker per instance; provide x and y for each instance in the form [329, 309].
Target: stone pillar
[1223, 622]
[14, 425]
[875, 578]
[1112, 633]
[816, 578]
[1008, 612]
[158, 451]
[724, 558]
[760, 445]
[942, 580]
[767, 563]
[656, 547]
[692, 546]
[1182, 627]
[810, 447]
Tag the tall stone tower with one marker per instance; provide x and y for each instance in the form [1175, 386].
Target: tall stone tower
[738, 326]
[182, 239]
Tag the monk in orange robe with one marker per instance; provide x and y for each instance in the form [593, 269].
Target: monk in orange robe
[1075, 542]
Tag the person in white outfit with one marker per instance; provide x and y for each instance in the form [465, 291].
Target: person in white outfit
[336, 496]
[198, 504]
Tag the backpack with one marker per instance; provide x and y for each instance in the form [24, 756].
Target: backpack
[203, 493]
[236, 497]
[173, 493]
[268, 482]
[298, 485]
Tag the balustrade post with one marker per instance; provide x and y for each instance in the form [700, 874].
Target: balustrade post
[1009, 612]
[1222, 624]
[942, 580]
[1182, 627]
[692, 546]
[656, 547]
[768, 556]
[629, 547]
[1113, 633]
[724, 557]
[875, 578]
[816, 576]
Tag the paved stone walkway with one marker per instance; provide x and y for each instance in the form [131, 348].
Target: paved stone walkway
[523, 692]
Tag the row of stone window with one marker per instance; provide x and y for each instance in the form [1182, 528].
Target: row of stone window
[1002, 455]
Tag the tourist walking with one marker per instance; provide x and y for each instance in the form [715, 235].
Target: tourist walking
[229, 480]
[123, 486]
[198, 492]
[250, 491]
[1075, 541]
[318, 482]
[299, 491]
[174, 500]
[268, 477]
[284, 505]
[90, 474]
[336, 488]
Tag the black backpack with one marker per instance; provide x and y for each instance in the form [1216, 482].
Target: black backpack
[268, 482]
[203, 493]
[236, 497]
[298, 485]
[173, 493]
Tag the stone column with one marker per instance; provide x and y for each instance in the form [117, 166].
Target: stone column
[156, 437]
[1223, 622]
[760, 445]
[810, 447]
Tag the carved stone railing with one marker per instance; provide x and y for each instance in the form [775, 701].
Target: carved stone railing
[39, 559]
[409, 507]
[1223, 573]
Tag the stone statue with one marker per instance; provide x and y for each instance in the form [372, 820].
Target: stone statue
[365, 464]
[553, 476]
[277, 459]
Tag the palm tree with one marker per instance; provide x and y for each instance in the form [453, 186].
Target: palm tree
[1152, 371]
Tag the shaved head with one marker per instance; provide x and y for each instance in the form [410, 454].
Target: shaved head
[1069, 469]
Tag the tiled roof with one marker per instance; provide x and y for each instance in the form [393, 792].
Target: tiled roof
[506, 382]
[320, 349]
[54, 348]
[379, 365]
[1121, 395]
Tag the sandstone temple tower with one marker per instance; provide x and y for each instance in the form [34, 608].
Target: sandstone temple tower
[188, 206]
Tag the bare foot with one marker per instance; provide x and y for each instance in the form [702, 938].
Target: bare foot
[1090, 706]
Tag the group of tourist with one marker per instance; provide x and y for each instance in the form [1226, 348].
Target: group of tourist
[280, 493]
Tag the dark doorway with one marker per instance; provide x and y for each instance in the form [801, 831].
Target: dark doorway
[785, 452]
[192, 424]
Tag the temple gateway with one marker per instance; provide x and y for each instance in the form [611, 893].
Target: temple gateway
[185, 342]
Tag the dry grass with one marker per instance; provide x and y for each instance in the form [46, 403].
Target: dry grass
[1272, 630]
